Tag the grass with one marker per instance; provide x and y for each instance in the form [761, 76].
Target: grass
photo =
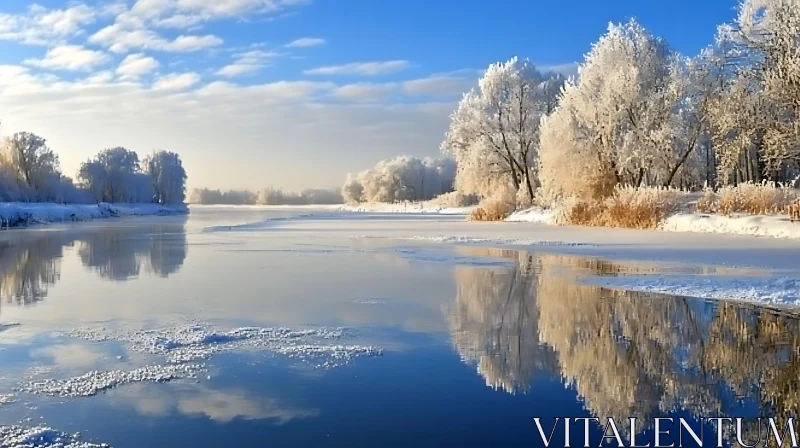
[749, 198]
[627, 207]
[495, 208]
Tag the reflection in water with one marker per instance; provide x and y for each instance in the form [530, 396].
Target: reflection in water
[219, 405]
[625, 354]
[30, 264]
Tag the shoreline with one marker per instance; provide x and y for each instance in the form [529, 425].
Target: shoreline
[27, 214]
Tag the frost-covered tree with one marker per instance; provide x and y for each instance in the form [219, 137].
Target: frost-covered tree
[168, 177]
[755, 116]
[114, 175]
[621, 120]
[28, 155]
[494, 133]
[402, 178]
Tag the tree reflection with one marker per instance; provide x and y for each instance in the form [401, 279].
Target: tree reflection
[494, 322]
[120, 253]
[30, 261]
[625, 354]
[29, 269]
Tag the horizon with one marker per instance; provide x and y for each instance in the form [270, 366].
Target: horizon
[285, 93]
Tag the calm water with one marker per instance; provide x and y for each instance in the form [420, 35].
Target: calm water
[475, 341]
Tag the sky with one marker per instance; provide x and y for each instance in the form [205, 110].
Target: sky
[286, 93]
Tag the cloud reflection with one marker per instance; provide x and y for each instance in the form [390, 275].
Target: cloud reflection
[200, 400]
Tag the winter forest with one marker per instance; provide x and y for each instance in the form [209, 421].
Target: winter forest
[30, 172]
[639, 126]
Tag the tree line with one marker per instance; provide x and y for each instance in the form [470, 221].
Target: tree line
[267, 196]
[30, 172]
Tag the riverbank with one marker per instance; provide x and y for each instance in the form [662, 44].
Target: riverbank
[21, 214]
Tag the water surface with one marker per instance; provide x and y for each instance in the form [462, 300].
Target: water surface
[475, 341]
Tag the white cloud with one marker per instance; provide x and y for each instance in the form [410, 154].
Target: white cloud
[364, 91]
[439, 85]
[176, 81]
[305, 42]
[121, 38]
[247, 63]
[69, 57]
[135, 65]
[43, 26]
[361, 68]
[281, 130]
[188, 13]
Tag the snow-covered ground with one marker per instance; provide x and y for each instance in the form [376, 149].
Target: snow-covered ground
[14, 214]
[780, 291]
[769, 226]
[406, 207]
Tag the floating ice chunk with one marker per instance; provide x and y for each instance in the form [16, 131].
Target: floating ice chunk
[193, 342]
[41, 436]
[7, 399]
[95, 382]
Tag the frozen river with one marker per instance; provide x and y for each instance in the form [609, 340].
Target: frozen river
[225, 329]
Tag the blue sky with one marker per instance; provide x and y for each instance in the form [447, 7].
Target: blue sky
[288, 93]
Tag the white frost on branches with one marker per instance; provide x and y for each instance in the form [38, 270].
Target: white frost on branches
[403, 178]
[494, 133]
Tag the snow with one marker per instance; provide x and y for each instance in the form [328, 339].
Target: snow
[406, 207]
[40, 436]
[784, 291]
[24, 213]
[95, 382]
[759, 225]
[193, 342]
[533, 214]
[492, 241]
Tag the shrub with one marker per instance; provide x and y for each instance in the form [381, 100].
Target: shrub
[454, 199]
[755, 199]
[495, 208]
[635, 208]
[794, 210]
[708, 202]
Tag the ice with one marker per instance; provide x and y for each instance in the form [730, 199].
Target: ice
[767, 290]
[95, 382]
[406, 207]
[14, 214]
[499, 240]
[40, 436]
[193, 342]
[7, 325]
[7, 399]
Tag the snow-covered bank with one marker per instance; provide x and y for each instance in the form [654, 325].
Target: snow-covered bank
[533, 214]
[782, 291]
[775, 226]
[14, 214]
[769, 226]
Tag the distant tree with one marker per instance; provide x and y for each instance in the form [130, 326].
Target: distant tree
[168, 177]
[402, 178]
